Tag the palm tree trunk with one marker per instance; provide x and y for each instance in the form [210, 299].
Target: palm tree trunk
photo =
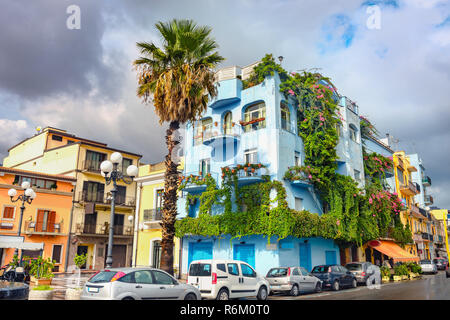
[170, 202]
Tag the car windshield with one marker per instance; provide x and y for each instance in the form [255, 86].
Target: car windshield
[103, 276]
[277, 272]
[320, 269]
[200, 270]
[354, 266]
[425, 262]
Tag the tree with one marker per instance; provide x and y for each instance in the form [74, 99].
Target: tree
[178, 78]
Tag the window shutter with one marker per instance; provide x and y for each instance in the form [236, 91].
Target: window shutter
[51, 221]
[8, 213]
[40, 220]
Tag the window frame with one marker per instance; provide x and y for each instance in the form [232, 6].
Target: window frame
[3, 212]
[253, 275]
[260, 109]
[353, 133]
[60, 253]
[284, 110]
[237, 268]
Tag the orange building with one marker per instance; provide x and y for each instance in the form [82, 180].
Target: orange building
[46, 221]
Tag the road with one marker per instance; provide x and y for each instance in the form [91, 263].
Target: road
[430, 287]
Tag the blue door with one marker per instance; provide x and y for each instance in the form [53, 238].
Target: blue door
[305, 256]
[244, 252]
[330, 257]
[200, 251]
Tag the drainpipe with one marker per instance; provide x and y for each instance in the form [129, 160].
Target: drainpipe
[136, 223]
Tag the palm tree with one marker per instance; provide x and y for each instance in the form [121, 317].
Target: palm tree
[178, 78]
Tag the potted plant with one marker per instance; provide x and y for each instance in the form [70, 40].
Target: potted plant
[41, 271]
[385, 274]
[74, 293]
[53, 186]
[41, 292]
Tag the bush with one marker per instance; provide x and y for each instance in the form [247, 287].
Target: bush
[414, 267]
[385, 271]
[43, 287]
[401, 270]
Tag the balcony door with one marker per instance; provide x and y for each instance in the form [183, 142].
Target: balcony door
[93, 191]
[45, 221]
[93, 160]
[121, 195]
[204, 167]
[90, 221]
[118, 224]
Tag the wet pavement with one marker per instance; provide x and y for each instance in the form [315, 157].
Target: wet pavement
[429, 287]
[63, 281]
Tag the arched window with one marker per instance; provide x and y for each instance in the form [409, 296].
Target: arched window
[227, 123]
[285, 116]
[255, 117]
[353, 132]
[202, 130]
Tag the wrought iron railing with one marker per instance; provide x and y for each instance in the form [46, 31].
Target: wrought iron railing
[103, 229]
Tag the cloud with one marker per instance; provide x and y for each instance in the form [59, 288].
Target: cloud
[12, 131]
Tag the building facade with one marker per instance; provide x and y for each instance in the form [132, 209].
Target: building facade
[45, 221]
[149, 203]
[258, 125]
[55, 151]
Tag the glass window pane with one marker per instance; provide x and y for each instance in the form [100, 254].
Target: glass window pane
[143, 276]
[162, 278]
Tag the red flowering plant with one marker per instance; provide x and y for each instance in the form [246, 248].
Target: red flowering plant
[376, 165]
[367, 128]
[195, 179]
[229, 172]
[303, 173]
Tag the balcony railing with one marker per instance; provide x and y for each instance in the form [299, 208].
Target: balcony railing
[103, 229]
[153, 214]
[219, 136]
[415, 211]
[101, 197]
[427, 236]
[410, 189]
[33, 227]
[428, 200]
[91, 166]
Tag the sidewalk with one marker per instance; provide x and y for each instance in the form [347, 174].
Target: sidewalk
[64, 280]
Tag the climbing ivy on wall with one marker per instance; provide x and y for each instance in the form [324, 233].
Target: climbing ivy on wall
[351, 214]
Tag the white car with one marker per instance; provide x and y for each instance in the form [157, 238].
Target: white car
[227, 279]
[428, 266]
[137, 284]
[293, 280]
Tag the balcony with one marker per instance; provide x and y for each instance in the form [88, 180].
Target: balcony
[426, 181]
[50, 229]
[401, 163]
[192, 187]
[153, 217]
[215, 138]
[248, 177]
[91, 166]
[410, 189]
[427, 236]
[102, 198]
[428, 200]
[103, 230]
[230, 87]
[415, 211]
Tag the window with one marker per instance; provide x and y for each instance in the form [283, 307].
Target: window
[298, 204]
[36, 182]
[70, 142]
[357, 175]
[400, 176]
[204, 167]
[297, 159]
[162, 278]
[233, 269]
[247, 271]
[156, 254]
[227, 123]
[93, 160]
[129, 278]
[45, 221]
[255, 117]
[125, 164]
[159, 198]
[251, 156]
[93, 191]
[221, 267]
[56, 254]
[57, 138]
[200, 269]
[8, 212]
[295, 272]
[285, 116]
[353, 133]
[143, 276]
[202, 130]
[304, 271]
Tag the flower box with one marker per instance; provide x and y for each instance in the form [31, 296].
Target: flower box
[385, 279]
[405, 277]
[251, 121]
[34, 282]
[397, 278]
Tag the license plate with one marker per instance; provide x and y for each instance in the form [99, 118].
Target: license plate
[91, 289]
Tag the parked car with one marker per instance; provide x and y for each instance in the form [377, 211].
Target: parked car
[225, 279]
[447, 271]
[137, 284]
[428, 266]
[293, 280]
[335, 276]
[363, 270]
[441, 263]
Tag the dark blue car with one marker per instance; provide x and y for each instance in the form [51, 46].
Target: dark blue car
[335, 276]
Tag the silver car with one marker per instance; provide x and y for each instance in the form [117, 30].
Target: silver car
[293, 280]
[137, 284]
[428, 266]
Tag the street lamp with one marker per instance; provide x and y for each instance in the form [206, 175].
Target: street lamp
[27, 196]
[111, 173]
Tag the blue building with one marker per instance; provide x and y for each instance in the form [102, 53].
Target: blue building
[259, 125]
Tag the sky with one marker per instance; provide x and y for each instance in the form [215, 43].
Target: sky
[389, 56]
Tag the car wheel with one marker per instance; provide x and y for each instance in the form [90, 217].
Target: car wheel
[190, 296]
[128, 298]
[335, 286]
[294, 291]
[223, 294]
[354, 283]
[262, 293]
[318, 287]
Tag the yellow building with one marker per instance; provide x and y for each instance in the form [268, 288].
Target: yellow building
[55, 151]
[413, 216]
[441, 215]
[147, 240]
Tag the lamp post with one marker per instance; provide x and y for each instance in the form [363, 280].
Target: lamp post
[27, 196]
[111, 173]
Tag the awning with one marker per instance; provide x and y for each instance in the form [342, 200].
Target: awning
[392, 250]
[22, 245]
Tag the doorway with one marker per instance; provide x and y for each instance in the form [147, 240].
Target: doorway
[119, 255]
[82, 250]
